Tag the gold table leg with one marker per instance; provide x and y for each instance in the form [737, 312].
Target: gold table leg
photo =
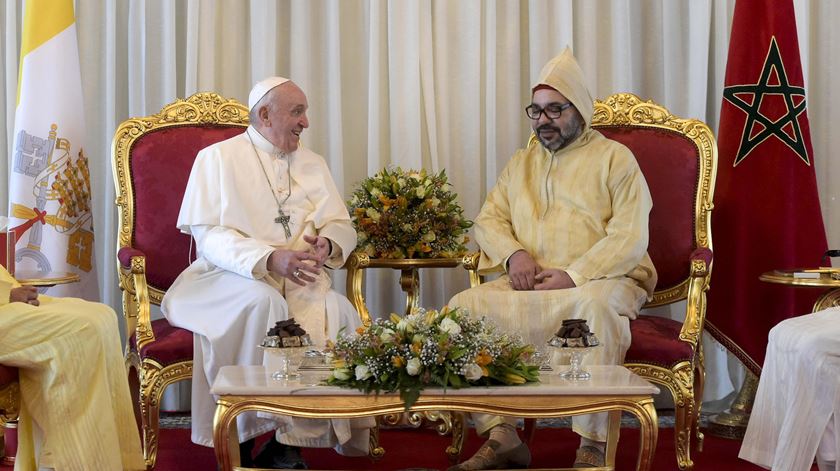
[226, 431]
[410, 283]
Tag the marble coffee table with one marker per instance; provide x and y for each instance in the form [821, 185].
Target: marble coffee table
[612, 389]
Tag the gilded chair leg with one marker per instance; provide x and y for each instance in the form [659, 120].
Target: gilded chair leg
[150, 392]
[683, 414]
[699, 384]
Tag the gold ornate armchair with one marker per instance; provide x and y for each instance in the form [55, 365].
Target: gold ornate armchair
[9, 399]
[9, 387]
[152, 159]
[678, 158]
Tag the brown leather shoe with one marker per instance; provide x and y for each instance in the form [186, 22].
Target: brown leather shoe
[487, 458]
[589, 457]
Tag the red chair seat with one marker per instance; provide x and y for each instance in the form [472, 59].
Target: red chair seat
[8, 375]
[171, 345]
[656, 341]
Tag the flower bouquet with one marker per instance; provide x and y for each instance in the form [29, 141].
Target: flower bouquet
[408, 214]
[445, 348]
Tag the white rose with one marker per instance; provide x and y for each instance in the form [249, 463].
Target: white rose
[362, 372]
[405, 325]
[449, 326]
[418, 338]
[413, 366]
[472, 372]
[373, 214]
[429, 236]
[341, 374]
[387, 335]
[400, 182]
[421, 192]
[375, 192]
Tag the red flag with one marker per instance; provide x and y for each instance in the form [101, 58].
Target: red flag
[767, 212]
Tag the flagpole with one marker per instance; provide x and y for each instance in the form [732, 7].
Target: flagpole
[732, 424]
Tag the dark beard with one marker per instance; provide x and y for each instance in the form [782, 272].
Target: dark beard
[564, 139]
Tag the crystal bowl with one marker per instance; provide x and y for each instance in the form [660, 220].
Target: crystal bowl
[283, 362]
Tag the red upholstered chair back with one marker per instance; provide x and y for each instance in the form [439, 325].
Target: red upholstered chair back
[669, 162]
[154, 160]
[677, 158]
[160, 163]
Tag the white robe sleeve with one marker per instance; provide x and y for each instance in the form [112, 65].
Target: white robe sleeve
[330, 217]
[229, 249]
[202, 201]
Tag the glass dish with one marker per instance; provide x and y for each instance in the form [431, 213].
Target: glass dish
[576, 372]
[284, 362]
[542, 357]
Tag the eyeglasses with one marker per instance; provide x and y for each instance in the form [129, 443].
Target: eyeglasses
[552, 110]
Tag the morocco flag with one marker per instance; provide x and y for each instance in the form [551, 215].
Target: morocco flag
[49, 200]
[767, 213]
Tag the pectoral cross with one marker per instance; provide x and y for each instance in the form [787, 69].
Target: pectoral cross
[284, 219]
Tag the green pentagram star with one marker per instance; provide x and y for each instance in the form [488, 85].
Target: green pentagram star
[734, 93]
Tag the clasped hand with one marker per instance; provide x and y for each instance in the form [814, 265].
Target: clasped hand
[525, 274]
[301, 266]
[24, 294]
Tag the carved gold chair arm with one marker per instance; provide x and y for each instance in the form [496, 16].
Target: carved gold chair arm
[470, 263]
[136, 300]
[698, 284]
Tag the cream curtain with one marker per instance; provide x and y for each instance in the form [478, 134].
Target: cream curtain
[438, 84]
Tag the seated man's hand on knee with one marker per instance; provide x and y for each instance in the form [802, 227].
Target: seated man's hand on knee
[522, 270]
[24, 294]
[553, 279]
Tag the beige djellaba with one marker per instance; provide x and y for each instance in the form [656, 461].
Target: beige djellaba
[76, 409]
[583, 209]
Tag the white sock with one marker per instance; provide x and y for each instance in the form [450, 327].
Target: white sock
[506, 435]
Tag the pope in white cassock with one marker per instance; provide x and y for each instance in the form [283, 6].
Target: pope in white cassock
[266, 217]
[568, 224]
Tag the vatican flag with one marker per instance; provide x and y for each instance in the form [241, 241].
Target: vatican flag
[49, 196]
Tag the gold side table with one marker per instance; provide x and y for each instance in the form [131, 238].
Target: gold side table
[357, 262]
[45, 279]
[823, 277]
